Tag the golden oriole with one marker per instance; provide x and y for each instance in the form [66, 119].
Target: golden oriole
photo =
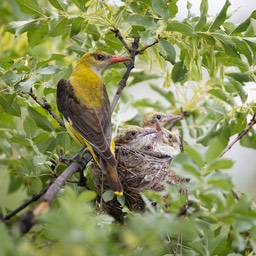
[84, 104]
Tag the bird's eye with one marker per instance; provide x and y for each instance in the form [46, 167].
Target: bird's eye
[99, 57]
[158, 117]
[170, 136]
[148, 147]
[133, 133]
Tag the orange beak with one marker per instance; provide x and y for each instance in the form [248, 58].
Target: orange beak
[116, 59]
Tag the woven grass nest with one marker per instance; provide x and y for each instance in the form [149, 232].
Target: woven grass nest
[139, 169]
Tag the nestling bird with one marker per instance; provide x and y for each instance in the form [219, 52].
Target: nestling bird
[84, 104]
[166, 142]
[132, 135]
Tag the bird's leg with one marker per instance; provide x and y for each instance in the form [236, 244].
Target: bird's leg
[77, 156]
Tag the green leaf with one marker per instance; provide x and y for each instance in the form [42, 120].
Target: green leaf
[167, 51]
[30, 6]
[167, 94]
[35, 185]
[19, 27]
[161, 8]
[180, 27]
[210, 133]
[40, 120]
[59, 4]
[178, 72]
[58, 27]
[203, 15]
[217, 92]
[37, 34]
[195, 155]
[173, 9]
[220, 164]
[77, 25]
[29, 127]
[10, 105]
[243, 49]
[80, 4]
[144, 21]
[239, 89]
[108, 195]
[242, 26]
[221, 17]
[87, 196]
[215, 148]
[20, 139]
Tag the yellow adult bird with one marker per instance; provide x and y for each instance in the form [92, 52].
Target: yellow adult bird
[84, 104]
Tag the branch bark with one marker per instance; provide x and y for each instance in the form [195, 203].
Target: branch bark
[240, 135]
[47, 107]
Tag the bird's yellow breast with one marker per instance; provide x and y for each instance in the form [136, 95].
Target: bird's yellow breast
[88, 86]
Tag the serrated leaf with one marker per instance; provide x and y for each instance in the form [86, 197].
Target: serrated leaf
[29, 127]
[180, 27]
[59, 4]
[167, 51]
[37, 34]
[221, 17]
[161, 8]
[58, 27]
[30, 6]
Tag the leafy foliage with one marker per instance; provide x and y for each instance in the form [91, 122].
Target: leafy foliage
[40, 41]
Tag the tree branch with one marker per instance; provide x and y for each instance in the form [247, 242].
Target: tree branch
[133, 51]
[120, 37]
[130, 66]
[240, 135]
[47, 107]
[30, 217]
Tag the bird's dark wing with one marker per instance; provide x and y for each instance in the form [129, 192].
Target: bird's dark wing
[94, 125]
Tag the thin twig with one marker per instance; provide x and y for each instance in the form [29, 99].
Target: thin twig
[29, 219]
[120, 37]
[147, 46]
[25, 204]
[47, 107]
[240, 135]
[124, 79]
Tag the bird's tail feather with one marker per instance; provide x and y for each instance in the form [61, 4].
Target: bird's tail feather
[113, 181]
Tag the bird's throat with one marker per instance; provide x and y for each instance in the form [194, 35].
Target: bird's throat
[87, 85]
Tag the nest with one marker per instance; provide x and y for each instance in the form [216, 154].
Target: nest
[138, 170]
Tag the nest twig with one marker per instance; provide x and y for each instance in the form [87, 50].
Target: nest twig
[138, 171]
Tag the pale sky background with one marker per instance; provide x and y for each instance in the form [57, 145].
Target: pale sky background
[244, 170]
